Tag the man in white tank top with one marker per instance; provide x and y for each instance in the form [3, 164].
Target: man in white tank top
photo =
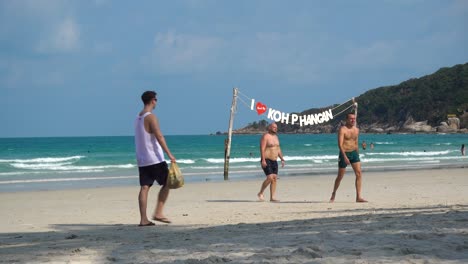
[149, 146]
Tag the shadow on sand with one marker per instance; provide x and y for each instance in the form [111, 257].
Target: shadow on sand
[424, 234]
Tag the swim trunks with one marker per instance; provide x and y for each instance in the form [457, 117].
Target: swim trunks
[156, 172]
[353, 157]
[271, 167]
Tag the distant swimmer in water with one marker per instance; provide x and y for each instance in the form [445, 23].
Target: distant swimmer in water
[270, 151]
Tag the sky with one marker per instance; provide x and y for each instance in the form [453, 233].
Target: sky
[79, 67]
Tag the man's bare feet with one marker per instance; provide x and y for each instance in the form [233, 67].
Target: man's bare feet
[161, 219]
[146, 223]
[360, 200]
[274, 200]
[332, 199]
[260, 197]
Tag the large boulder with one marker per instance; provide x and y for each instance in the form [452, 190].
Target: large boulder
[454, 122]
[444, 128]
[376, 130]
[411, 126]
[464, 120]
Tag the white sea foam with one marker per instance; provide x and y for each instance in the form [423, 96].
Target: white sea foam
[65, 179]
[410, 153]
[185, 161]
[39, 165]
[287, 158]
[205, 167]
[42, 160]
[58, 167]
[232, 160]
[319, 157]
[406, 159]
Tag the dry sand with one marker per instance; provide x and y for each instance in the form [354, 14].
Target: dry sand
[412, 217]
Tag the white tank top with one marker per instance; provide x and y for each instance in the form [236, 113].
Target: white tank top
[148, 150]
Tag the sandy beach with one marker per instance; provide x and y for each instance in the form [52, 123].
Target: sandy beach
[418, 216]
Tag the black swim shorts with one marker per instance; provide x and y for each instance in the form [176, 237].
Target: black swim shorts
[156, 172]
[353, 157]
[271, 167]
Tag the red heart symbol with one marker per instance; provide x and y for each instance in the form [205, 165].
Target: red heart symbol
[261, 108]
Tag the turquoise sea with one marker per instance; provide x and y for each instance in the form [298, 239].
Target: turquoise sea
[88, 162]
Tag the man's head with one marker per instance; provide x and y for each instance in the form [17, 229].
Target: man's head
[273, 128]
[350, 119]
[148, 97]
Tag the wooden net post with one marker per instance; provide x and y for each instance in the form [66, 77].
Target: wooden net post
[227, 141]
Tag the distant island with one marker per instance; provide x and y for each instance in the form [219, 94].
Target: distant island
[435, 103]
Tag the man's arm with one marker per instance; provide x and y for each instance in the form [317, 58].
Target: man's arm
[155, 129]
[263, 143]
[280, 155]
[357, 140]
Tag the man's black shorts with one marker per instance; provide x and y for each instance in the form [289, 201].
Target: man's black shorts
[271, 167]
[156, 172]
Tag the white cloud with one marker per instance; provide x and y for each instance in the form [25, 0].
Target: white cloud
[64, 37]
[459, 7]
[287, 56]
[37, 10]
[376, 54]
[103, 47]
[19, 74]
[101, 2]
[185, 53]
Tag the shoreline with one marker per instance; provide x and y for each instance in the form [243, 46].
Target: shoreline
[412, 216]
[132, 180]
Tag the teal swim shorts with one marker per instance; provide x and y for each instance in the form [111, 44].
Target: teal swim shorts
[353, 157]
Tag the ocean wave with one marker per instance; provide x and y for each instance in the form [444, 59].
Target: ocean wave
[232, 160]
[205, 167]
[314, 158]
[39, 165]
[185, 161]
[409, 153]
[42, 172]
[287, 158]
[405, 159]
[42, 160]
[65, 179]
[58, 167]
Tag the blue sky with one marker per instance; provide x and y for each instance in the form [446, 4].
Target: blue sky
[78, 68]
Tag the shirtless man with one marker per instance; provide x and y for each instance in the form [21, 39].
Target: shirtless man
[348, 144]
[270, 151]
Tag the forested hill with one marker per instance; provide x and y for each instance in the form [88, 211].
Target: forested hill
[428, 100]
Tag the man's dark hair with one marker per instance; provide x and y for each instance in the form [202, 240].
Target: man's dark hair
[147, 96]
[350, 113]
